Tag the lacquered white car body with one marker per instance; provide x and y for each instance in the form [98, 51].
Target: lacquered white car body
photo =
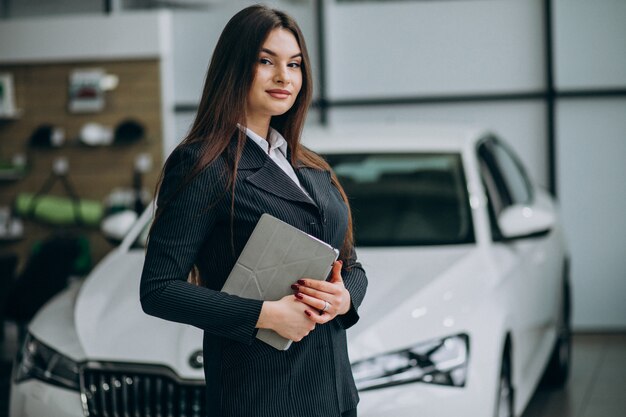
[447, 328]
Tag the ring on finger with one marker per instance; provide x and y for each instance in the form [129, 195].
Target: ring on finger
[326, 305]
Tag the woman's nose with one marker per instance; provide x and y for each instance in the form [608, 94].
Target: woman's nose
[281, 75]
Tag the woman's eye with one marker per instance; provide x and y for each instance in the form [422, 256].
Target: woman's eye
[295, 65]
[265, 61]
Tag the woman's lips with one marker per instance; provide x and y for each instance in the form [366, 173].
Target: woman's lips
[276, 93]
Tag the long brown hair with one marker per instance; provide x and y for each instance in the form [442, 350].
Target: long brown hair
[223, 103]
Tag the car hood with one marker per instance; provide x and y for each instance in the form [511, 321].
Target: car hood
[417, 290]
[397, 274]
[111, 325]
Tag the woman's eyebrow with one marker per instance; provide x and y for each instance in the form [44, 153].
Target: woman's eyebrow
[270, 52]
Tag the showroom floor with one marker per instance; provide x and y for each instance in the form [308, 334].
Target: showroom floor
[597, 386]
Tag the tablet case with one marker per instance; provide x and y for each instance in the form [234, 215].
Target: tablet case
[275, 257]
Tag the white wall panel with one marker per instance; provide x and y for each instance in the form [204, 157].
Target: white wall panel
[590, 43]
[521, 124]
[435, 47]
[195, 37]
[89, 37]
[183, 124]
[591, 148]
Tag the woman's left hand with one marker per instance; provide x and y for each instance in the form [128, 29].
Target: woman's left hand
[327, 299]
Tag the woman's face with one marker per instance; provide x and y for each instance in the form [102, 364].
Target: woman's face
[277, 78]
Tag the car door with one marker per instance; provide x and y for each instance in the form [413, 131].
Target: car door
[523, 260]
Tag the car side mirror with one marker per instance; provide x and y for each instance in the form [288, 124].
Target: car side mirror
[116, 226]
[519, 221]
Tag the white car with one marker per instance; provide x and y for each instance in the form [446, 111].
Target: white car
[468, 302]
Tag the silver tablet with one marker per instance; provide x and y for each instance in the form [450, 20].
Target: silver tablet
[275, 257]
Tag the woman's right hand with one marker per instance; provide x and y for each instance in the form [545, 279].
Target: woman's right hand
[286, 317]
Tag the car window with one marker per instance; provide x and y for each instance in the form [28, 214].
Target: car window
[504, 179]
[516, 180]
[503, 175]
[406, 199]
[492, 178]
[493, 184]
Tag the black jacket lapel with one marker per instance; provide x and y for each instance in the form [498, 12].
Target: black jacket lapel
[269, 176]
[317, 183]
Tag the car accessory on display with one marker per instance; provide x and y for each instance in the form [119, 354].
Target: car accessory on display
[7, 96]
[59, 210]
[11, 227]
[47, 136]
[95, 134]
[135, 198]
[126, 132]
[129, 131]
[14, 169]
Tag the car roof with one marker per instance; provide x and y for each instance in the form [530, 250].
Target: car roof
[356, 138]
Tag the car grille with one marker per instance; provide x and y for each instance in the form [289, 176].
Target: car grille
[127, 393]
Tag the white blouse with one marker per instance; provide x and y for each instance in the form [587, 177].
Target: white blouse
[276, 149]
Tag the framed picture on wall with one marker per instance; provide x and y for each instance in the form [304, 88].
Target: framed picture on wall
[7, 95]
[86, 94]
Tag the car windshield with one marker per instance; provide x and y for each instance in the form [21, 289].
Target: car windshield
[401, 199]
[406, 199]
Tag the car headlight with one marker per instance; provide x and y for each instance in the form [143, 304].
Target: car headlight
[37, 361]
[440, 361]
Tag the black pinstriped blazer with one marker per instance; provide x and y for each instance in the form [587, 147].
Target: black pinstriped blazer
[245, 377]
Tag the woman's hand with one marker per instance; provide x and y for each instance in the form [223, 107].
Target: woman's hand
[325, 299]
[286, 317]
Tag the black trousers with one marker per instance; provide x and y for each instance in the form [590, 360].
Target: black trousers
[349, 413]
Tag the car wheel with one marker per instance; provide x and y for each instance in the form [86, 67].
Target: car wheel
[505, 393]
[557, 371]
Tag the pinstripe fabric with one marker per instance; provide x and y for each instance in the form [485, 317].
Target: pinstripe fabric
[245, 377]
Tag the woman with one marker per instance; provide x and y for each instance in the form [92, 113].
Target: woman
[242, 158]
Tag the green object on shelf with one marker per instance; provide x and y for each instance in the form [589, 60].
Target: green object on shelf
[59, 210]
